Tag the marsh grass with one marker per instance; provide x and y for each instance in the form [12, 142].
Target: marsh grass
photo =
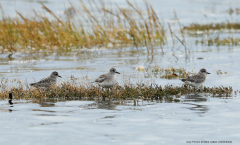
[126, 90]
[109, 27]
[217, 41]
[166, 73]
[212, 26]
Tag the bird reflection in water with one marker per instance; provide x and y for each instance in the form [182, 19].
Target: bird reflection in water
[10, 101]
[193, 100]
[108, 105]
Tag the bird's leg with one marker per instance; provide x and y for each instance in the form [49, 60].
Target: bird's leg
[103, 97]
[199, 90]
[108, 92]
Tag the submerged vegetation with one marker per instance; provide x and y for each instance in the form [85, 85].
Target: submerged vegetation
[108, 27]
[212, 26]
[195, 28]
[166, 73]
[217, 41]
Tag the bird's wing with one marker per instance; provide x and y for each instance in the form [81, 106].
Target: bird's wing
[44, 80]
[101, 78]
[190, 78]
[199, 79]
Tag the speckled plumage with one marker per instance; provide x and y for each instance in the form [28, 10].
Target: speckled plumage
[48, 81]
[198, 79]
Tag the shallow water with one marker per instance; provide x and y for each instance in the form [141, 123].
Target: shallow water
[194, 118]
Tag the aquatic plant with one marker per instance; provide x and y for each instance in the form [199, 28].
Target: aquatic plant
[109, 27]
[166, 73]
[212, 26]
[127, 90]
[217, 41]
[219, 72]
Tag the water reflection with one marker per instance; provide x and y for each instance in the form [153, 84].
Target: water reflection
[47, 114]
[48, 123]
[43, 110]
[6, 110]
[193, 100]
[108, 105]
[46, 104]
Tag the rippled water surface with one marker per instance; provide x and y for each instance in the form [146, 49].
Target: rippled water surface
[195, 118]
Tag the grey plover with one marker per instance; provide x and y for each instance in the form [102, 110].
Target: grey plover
[47, 82]
[107, 80]
[196, 80]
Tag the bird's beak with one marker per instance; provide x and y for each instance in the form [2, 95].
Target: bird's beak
[59, 76]
[207, 72]
[118, 72]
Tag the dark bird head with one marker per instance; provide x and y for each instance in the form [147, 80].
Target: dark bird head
[203, 70]
[113, 71]
[55, 74]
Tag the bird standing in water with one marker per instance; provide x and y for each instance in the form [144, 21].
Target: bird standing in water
[196, 80]
[107, 80]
